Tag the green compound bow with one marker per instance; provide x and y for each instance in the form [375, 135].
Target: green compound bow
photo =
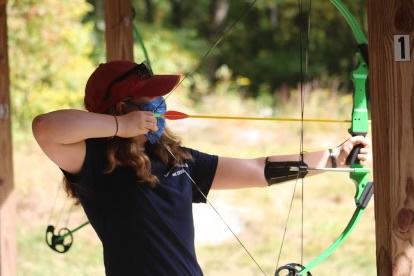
[359, 126]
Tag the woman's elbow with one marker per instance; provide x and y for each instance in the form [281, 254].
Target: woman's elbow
[39, 127]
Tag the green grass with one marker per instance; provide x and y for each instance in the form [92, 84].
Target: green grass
[327, 200]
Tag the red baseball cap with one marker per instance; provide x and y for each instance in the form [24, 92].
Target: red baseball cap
[115, 81]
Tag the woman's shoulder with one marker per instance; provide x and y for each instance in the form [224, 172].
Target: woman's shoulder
[198, 154]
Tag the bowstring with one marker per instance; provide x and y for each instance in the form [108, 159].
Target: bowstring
[304, 58]
[304, 76]
[287, 222]
[225, 33]
[62, 209]
[215, 210]
[303, 73]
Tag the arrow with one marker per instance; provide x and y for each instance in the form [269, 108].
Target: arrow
[176, 115]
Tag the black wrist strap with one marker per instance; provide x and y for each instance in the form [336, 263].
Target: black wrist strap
[277, 172]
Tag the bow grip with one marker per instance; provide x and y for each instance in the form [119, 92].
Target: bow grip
[352, 158]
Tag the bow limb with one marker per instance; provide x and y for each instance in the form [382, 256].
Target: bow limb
[350, 19]
[362, 197]
[138, 35]
[359, 126]
[359, 35]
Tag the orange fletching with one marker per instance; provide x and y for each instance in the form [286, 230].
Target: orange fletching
[175, 115]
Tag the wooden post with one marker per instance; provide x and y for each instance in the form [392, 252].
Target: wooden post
[391, 38]
[118, 31]
[8, 263]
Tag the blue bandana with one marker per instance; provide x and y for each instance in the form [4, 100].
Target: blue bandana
[156, 106]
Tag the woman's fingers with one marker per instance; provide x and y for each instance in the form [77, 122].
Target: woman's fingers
[150, 121]
[356, 140]
[137, 123]
[348, 145]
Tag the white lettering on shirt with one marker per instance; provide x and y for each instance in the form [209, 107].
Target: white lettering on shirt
[177, 173]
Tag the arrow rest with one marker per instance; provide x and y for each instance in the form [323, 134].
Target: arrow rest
[60, 241]
[292, 269]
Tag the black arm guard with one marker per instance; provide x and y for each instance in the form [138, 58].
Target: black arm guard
[277, 172]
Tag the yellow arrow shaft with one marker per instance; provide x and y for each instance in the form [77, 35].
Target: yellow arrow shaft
[264, 119]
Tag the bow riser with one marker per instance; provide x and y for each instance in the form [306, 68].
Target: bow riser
[360, 107]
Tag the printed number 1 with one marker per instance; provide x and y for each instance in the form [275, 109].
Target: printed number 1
[401, 40]
[402, 47]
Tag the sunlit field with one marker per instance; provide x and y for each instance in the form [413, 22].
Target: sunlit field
[321, 205]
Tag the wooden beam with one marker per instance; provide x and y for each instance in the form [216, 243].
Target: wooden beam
[8, 262]
[119, 30]
[392, 102]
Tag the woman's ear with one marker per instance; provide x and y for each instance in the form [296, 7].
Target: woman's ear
[121, 108]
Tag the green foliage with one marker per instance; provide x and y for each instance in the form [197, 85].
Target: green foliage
[48, 49]
[264, 46]
[54, 44]
[269, 52]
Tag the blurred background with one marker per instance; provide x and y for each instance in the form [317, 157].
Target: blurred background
[54, 45]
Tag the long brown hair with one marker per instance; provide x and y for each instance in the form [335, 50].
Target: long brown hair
[126, 152]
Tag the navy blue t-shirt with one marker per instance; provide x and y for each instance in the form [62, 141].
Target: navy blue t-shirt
[144, 231]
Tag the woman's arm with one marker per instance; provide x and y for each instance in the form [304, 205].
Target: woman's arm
[234, 173]
[61, 134]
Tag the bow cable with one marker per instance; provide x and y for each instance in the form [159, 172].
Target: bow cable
[225, 33]
[216, 211]
[304, 20]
